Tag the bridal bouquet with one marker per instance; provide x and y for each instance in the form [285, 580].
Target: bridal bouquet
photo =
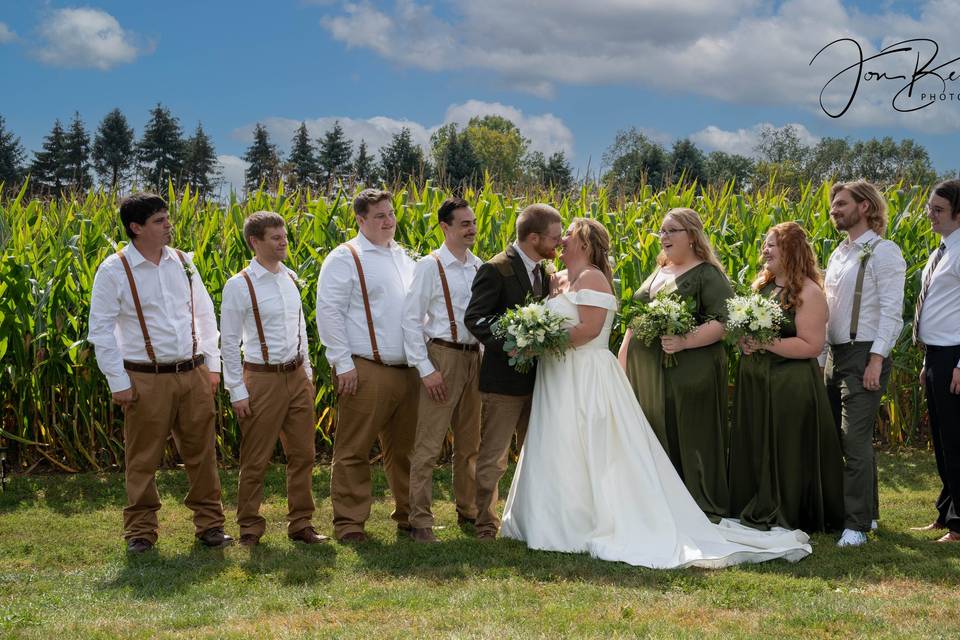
[753, 316]
[529, 332]
[666, 315]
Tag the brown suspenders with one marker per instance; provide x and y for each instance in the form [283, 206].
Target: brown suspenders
[136, 303]
[858, 293]
[366, 302]
[256, 318]
[446, 298]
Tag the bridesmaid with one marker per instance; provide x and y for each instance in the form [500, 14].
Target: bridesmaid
[687, 404]
[785, 458]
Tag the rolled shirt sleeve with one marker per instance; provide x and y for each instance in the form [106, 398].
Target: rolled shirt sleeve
[890, 296]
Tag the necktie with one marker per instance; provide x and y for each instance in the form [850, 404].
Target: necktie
[923, 292]
[537, 283]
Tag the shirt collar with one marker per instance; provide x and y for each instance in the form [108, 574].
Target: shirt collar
[530, 264]
[364, 244]
[868, 236]
[952, 240]
[258, 270]
[447, 258]
[134, 257]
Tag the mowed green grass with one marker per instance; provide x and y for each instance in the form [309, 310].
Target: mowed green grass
[64, 573]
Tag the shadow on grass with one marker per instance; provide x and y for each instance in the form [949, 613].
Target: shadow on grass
[153, 576]
[299, 565]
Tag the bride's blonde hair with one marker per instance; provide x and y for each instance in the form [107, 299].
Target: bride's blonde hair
[595, 238]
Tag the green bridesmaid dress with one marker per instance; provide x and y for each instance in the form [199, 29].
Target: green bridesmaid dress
[786, 467]
[687, 404]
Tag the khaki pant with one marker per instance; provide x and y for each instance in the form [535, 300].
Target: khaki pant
[281, 406]
[181, 403]
[461, 411]
[502, 415]
[855, 413]
[384, 407]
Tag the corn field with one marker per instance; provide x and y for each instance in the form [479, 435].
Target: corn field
[56, 409]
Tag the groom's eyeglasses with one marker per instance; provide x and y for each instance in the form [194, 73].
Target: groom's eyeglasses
[666, 233]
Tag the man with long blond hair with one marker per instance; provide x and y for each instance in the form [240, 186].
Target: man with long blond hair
[864, 286]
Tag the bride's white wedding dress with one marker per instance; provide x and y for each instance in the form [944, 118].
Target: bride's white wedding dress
[592, 476]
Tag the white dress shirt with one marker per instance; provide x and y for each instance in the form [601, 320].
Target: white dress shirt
[341, 320]
[281, 314]
[940, 314]
[165, 299]
[881, 306]
[530, 264]
[425, 310]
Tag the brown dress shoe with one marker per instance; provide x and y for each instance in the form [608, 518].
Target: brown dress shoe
[424, 535]
[486, 536]
[308, 535]
[354, 537]
[215, 538]
[953, 536]
[139, 545]
[933, 526]
[463, 521]
[249, 540]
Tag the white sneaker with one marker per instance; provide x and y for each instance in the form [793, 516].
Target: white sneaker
[851, 538]
[873, 525]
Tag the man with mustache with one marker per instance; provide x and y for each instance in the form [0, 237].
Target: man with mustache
[155, 335]
[505, 281]
[360, 295]
[864, 287]
[447, 357]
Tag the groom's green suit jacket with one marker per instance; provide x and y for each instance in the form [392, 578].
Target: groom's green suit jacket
[501, 283]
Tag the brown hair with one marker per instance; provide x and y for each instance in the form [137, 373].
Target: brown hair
[536, 218]
[861, 191]
[257, 224]
[594, 235]
[702, 248]
[949, 190]
[367, 198]
[796, 256]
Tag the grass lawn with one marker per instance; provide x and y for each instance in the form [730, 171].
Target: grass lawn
[64, 573]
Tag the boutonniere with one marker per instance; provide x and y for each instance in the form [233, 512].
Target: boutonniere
[412, 254]
[549, 267]
[865, 252]
[300, 282]
[190, 269]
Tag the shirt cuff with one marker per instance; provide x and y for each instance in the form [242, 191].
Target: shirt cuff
[119, 383]
[213, 364]
[238, 393]
[343, 366]
[881, 348]
[425, 368]
[822, 360]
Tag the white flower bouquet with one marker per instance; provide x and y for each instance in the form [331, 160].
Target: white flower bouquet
[666, 315]
[531, 331]
[754, 316]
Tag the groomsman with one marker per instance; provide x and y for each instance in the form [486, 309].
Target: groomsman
[864, 287]
[360, 295]
[505, 281]
[935, 329]
[271, 387]
[155, 335]
[447, 357]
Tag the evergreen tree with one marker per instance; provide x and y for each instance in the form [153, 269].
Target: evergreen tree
[304, 168]
[11, 157]
[201, 169]
[364, 171]
[113, 149]
[161, 149]
[334, 154]
[402, 159]
[263, 161]
[558, 173]
[48, 168]
[457, 162]
[76, 155]
[689, 162]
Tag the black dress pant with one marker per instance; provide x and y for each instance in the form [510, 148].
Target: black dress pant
[944, 410]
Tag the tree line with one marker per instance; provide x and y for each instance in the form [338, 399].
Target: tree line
[458, 157]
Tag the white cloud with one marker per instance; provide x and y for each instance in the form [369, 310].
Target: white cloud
[744, 141]
[740, 51]
[232, 168]
[6, 34]
[86, 37]
[546, 132]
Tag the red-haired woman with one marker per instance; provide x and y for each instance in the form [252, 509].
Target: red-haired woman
[786, 467]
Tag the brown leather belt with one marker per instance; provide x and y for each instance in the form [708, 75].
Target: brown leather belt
[293, 365]
[459, 346]
[164, 367]
[384, 364]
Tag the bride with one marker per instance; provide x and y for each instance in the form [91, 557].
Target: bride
[592, 476]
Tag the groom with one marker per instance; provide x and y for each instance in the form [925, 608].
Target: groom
[506, 281]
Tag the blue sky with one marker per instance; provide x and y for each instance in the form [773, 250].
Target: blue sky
[569, 73]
